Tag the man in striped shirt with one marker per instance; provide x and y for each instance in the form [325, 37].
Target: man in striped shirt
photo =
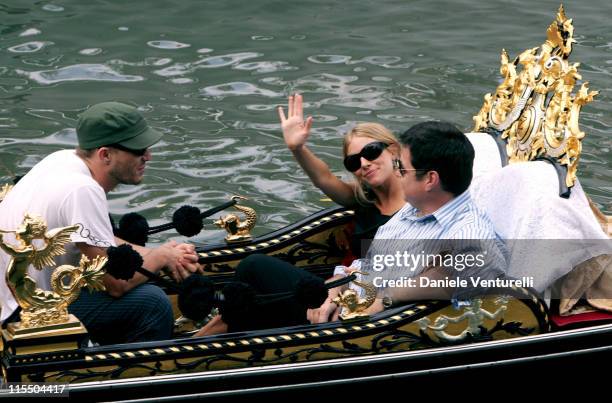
[439, 242]
[445, 244]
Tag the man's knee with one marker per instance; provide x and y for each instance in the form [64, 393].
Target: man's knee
[155, 318]
[154, 301]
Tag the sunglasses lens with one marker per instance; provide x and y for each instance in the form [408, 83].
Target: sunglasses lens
[137, 153]
[372, 150]
[352, 162]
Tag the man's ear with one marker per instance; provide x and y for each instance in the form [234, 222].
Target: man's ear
[104, 155]
[432, 181]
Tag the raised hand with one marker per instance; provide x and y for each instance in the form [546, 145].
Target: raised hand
[295, 129]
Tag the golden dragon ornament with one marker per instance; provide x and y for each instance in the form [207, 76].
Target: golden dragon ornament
[353, 306]
[40, 307]
[237, 230]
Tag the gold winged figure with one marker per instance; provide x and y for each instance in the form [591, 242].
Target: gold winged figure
[40, 307]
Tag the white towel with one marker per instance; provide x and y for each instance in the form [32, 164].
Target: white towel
[523, 202]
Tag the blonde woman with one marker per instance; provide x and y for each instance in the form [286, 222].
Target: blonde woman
[373, 168]
[371, 154]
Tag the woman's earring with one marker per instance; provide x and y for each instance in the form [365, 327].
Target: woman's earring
[397, 164]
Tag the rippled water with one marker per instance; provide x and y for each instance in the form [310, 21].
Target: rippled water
[210, 74]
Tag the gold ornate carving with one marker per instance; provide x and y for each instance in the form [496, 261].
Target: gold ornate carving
[238, 231]
[534, 109]
[39, 307]
[473, 313]
[4, 190]
[352, 305]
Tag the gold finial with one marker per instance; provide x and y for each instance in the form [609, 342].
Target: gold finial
[352, 305]
[534, 109]
[238, 231]
[560, 34]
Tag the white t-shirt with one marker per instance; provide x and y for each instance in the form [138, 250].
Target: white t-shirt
[60, 189]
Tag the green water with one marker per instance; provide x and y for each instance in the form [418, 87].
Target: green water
[210, 74]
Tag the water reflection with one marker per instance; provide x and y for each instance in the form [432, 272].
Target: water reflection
[30, 32]
[207, 62]
[212, 78]
[79, 72]
[168, 45]
[90, 51]
[236, 89]
[29, 47]
[53, 8]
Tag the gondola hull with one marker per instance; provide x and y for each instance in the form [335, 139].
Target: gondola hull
[394, 341]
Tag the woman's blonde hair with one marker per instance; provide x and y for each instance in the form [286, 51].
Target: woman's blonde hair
[375, 131]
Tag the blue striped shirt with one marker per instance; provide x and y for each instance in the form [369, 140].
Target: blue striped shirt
[457, 219]
[408, 244]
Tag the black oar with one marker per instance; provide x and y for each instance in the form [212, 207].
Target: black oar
[187, 221]
[187, 214]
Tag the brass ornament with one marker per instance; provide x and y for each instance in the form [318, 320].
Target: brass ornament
[4, 190]
[42, 308]
[238, 231]
[534, 109]
[473, 313]
[352, 305]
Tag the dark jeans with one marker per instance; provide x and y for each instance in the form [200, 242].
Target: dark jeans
[269, 275]
[142, 314]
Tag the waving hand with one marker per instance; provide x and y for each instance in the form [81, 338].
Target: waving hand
[295, 129]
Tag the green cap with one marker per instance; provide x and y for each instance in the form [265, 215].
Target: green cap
[114, 123]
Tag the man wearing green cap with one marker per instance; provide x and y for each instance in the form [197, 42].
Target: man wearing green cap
[69, 187]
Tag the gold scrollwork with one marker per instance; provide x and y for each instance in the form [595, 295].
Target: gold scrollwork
[534, 109]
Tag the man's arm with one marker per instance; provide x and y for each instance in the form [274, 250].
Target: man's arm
[114, 287]
[493, 265]
[404, 294]
[179, 261]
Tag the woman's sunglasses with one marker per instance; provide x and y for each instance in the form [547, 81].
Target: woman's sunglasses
[370, 152]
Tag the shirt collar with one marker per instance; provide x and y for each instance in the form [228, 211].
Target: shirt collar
[411, 213]
[444, 215]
